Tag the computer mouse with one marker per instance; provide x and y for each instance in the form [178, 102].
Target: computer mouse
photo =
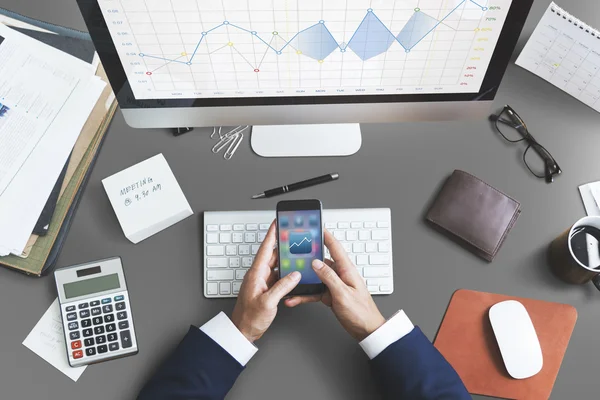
[517, 339]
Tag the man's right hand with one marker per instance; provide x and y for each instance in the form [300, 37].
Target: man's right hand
[346, 293]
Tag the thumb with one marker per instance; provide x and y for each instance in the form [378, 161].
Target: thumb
[283, 286]
[328, 276]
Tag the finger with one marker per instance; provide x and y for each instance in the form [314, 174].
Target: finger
[328, 277]
[345, 269]
[266, 248]
[335, 248]
[283, 287]
[294, 301]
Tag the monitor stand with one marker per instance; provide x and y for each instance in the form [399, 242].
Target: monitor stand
[306, 140]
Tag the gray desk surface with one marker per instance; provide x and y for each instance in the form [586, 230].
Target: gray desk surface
[400, 166]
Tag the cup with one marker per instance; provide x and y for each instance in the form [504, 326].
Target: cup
[563, 261]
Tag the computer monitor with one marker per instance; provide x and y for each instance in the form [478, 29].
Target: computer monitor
[267, 63]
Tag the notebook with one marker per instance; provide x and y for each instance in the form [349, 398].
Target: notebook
[566, 52]
[467, 341]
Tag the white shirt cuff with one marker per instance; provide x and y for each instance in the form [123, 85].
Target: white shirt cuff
[224, 332]
[393, 330]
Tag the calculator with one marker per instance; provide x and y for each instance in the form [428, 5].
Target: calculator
[96, 313]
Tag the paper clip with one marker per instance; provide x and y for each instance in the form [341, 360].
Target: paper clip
[233, 139]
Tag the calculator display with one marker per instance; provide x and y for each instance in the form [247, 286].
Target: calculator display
[89, 286]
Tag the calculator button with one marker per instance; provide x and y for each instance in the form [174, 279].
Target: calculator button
[119, 298]
[113, 346]
[88, 332]
[86, 322]
[77, 354]
[96, 311]
[102, 349]
[123, 324]
[73, 325]
[97, 320]
[109, 318]
[71, 316]
[83, 305]
[126, 339]
[107, 309]
[94, 303]
[90, 351]
[100, 339]
[111, 327]
[74, 335]
[70, 308]
[106, 301]
[88, 342]
[76, 344]
[111, 337]
[120, 306]
[84, 313]
[98, 330]
[122, 315]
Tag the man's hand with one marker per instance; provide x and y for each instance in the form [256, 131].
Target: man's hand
[346, 293]
[261, 292]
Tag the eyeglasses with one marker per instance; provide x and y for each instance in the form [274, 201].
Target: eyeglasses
[514, 130]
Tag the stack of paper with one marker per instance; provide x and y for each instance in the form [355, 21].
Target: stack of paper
[590, 194]
[46, 97]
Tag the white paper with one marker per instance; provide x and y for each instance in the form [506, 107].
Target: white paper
[590, 195]
[47, 340]
[565, 52]
[146, 198]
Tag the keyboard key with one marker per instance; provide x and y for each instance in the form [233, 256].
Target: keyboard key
[212, 238]
[122, 315]
[70, 308]
[96, 311]
[384, 247]
[123, 324]
[225, 288]
[231, 250]
[77, 354]
[100, 339]
[219, 275]
[84, 313]
[90, 351]
[212, 288]
[126, 339]
[74, 335]
[358, 247]
[250, 237]
[371, 247]
[102, 349]
[236, 287]
[98, 330]
[234, 262]
[247, 262]
[97, 320]
[120, 306]
[111, 337]
[225, 238]
[71, 316]
[212, 228]
[251, 227]
[364, 235]
[377, 282]
[111, 328]
[379, 259]
[244, 250]
[113, 346]
[373, 289]
[240, 273]
[380, 235]
[343, 225]
[261, 236]
[377, 272]
[119, 298]
[215, 250]
[237, 238]
[225, 227]
[351, 235]
[339, 235]
[107, 309]
[73, 325]
[385, 288]
[83, 305]
[106, 301]
[360, 270]
[94, 303]
[383, 224]
[362, 259]
[76, 345]
[255, 248]
[88, 342]
[347, 246]
[87, 332]
[356, 225]
[370, 224]
[109, 318]
[264, 227]
[238, 227]
[213, 262]
[330, 225]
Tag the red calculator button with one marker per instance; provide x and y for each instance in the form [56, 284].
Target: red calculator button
[76, 344]
[77, 354]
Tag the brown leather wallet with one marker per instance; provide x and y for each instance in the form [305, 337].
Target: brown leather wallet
[474, 212]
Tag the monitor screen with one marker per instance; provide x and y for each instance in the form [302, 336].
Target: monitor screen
[223, 49]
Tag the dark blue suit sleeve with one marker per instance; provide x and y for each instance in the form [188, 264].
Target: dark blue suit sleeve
[199, 369]
[411, 368]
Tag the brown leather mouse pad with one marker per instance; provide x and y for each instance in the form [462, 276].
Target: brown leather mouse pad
[467, 341]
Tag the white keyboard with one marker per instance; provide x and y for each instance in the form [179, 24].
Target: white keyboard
[232, 239]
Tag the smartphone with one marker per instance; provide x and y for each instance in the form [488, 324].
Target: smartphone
[300, 238]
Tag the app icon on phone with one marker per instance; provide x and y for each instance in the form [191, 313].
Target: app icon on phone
[300, 242]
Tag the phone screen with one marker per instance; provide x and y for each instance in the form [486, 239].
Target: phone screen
[300, 242]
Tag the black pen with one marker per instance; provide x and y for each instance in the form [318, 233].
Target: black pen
[298, 185]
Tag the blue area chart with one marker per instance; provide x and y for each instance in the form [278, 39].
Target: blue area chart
[371, 38]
